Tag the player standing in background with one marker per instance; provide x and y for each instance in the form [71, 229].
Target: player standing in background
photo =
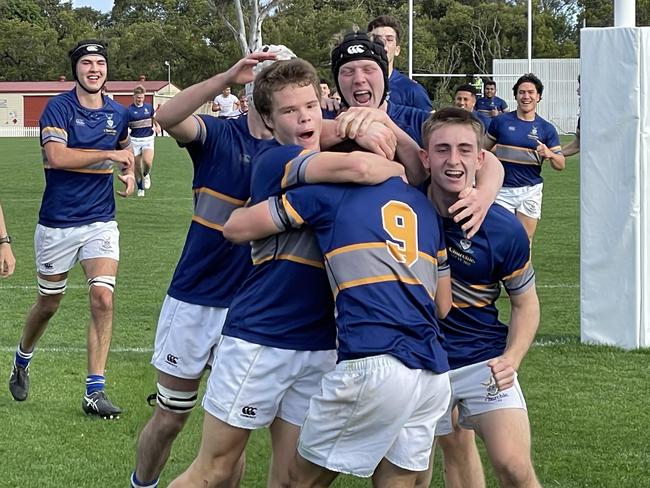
[142, 125]
[484, 354]
[403, 90]
[489, 105]
[83, 135]
[226, 105]
[522, 140]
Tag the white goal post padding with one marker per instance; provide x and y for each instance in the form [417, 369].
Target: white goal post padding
[615, 187]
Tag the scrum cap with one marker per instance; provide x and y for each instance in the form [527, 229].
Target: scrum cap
[354, 46]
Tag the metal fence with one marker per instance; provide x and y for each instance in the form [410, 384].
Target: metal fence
[15, 131]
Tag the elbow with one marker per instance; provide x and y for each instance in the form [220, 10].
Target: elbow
[235, 233]
[443, 310]
[558, 165]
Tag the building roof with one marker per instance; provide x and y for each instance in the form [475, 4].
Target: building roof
[61, 86]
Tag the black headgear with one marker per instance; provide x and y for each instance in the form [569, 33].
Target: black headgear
[357, 45]
[85, 48]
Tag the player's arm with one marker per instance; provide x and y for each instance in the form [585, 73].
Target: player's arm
[356, 167]
[175, 116]
[378, 139]
[443, 295]
[556, 159]
[474, 203]
[7, 259]
[250, 223]
[60, 156]
[524, 321]
[573, 147]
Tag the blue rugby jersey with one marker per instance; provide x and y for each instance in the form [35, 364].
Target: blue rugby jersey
[141, 120]
[211, 268]
[485, 105]
[408, 92]
[75, 197]
[516, 147]
[384, 251]
[285, 301]
[498, 253]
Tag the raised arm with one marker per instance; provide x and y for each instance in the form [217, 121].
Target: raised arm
[356, 167]
[175, 116]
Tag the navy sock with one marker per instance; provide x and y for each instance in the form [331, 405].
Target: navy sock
[136, 483]
[23, 358]
[94, 382]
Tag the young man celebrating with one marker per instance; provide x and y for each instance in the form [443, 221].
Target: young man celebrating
[403, 90]
[142, 126]
[226, 105]
[489, 105]
[83, 135]
[484, 354]
[375, 412]
[522, 140]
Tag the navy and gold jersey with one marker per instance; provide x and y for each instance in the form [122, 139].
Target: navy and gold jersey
[211, 268]
[498, 253]
[384, 251]
[141, 120]
[485, 105]
[75, 197]
[285, 301]
[408, 92]
[516, 147]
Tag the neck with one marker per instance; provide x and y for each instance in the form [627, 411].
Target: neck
[528, 116]
[89, 100]
[441, 200]
[390, 68]
[256, 126]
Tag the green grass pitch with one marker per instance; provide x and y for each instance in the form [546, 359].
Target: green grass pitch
[588, 405]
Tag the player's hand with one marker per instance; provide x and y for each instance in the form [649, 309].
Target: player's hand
[356, 120]
[503, 371]
[494, 112]
[330, 104]
[129, 184]
[7, 261]
[378, 139]
[470, 209]
[544, 151]
[241, 72]
[124, 158]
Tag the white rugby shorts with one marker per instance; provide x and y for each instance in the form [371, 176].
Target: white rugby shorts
[57, 250]
[370, 409]
[474, 391]
[250, 384]
[526, 200]
[186, 337]
[139, 144]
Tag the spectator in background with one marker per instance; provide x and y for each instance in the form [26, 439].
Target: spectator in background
[324, 88]
[335, 96]
[490, 105]
[243, 102]
[226, 105]
[403, 90]
[7, 259]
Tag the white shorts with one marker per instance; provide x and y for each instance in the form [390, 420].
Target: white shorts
[526, 200]
[250, 385]
[186, 337]
[139, 144]
[58, 249]
[370, 409]
[474, 391]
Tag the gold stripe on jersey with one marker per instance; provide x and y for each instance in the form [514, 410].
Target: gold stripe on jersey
[517, 155]
[212, 208]
[299, 246]
[296, 219]
[294, 169]
[141, 124]
[92, 171]
[372, 262]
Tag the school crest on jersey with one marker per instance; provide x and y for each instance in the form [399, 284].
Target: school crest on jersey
[110, 125]
[533, 134]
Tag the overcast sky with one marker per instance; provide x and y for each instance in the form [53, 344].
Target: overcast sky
[102, 5]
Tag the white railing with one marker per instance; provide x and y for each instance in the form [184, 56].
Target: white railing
[15, 131]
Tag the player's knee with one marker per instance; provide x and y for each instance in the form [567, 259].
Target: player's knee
[514, 470]
[457, 445]
[101, 292]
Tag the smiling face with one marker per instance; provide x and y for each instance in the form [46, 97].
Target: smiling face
[465, 100]
[490, 91]
[296, 116]
[91, 72]
[361, 83]
[527, 98]
[453, 157]
[138, 99]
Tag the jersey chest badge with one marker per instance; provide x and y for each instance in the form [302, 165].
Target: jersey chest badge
[110, 125]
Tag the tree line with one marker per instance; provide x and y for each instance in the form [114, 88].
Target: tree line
[200, 37]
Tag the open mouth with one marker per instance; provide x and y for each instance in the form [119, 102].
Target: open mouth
[304, 136]
[454, 174]
[362, 96]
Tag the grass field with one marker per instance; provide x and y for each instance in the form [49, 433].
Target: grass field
[588, 405]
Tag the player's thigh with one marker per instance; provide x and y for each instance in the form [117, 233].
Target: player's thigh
[147, 156]
[222, 442]
[506, 434]
[100, 249]
[56, 250]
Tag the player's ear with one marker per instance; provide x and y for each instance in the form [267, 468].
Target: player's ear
[398, 49]
[424, 158]
[480, 161]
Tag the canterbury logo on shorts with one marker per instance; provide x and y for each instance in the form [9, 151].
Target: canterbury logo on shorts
[356, 49]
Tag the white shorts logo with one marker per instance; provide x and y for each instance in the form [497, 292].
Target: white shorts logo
[356, 49]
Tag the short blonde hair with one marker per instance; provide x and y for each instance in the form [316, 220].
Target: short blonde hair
[455, 116]
[139, 90]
